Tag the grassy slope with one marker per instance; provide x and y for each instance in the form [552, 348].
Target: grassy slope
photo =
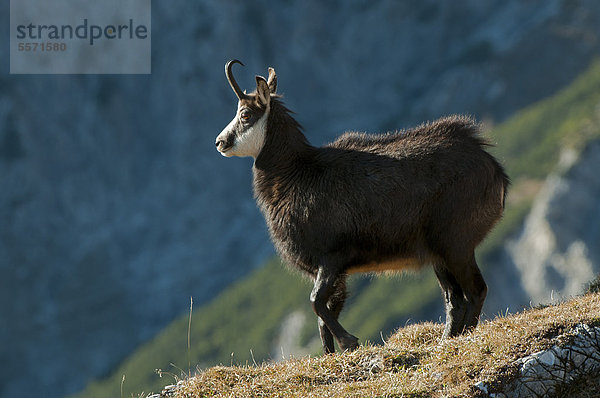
[413, 362]
[248, 315]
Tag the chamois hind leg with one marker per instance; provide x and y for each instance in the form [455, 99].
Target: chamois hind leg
[475, 290]
[456, 305]
[464, 291]
[323, 290]
[335, 305]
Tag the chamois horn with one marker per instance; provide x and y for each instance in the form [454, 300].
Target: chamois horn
[236, 89]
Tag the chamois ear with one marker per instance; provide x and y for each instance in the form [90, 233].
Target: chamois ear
[263, 94]
[272, 81]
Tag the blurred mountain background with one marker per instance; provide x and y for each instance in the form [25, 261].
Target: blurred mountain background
[115, 207]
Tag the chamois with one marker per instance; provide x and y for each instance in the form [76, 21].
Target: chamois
[370, 203]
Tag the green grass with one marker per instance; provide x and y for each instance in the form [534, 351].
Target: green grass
[247, 316]
[378, 308]
[530, 142]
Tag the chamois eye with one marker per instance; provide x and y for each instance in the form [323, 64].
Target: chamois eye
[245, 116]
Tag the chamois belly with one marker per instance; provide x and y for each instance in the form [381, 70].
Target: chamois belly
[390, 265]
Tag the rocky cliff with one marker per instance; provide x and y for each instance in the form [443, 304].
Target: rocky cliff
[115, 208]
[557, 252]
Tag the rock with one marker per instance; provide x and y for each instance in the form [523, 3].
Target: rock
[545, 372]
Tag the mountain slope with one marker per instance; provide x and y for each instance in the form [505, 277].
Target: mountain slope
[552, 151]
[530, 143]
[257, 308]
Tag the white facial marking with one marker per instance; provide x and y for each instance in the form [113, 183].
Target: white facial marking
[224, 134]
[251, 142]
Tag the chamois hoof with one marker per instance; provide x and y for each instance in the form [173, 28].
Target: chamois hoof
[349, 344]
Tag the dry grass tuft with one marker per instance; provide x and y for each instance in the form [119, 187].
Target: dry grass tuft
[412, 363]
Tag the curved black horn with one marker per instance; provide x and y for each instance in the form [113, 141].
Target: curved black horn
[236, 89]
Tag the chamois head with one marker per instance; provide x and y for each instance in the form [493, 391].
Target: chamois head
[245, 134]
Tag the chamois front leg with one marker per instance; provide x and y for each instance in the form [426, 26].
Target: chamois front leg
[335, 305]
[326, 291]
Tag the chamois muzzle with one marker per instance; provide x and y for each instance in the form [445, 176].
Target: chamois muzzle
[221, 145]
[236, 89]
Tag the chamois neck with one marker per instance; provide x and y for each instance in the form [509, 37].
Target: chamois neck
[285, 142]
